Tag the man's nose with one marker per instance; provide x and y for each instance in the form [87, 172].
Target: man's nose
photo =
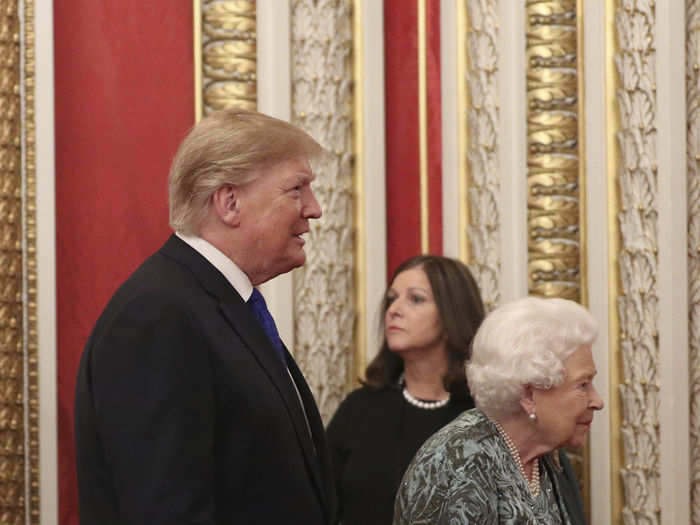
[311, 208]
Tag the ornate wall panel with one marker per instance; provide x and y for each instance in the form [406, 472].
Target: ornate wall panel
[554, 181]
[554, 175]
[227, 64]
[638, 265]
[483, 186]
[322, 104]
[693, 152]
[19, 462]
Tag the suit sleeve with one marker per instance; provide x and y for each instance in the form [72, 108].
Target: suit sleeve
[155, 407]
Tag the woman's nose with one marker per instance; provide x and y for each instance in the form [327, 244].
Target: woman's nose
[393, 309]
[596, 401]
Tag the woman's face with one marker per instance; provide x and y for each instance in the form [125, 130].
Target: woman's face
[412, 321]
[564, 413]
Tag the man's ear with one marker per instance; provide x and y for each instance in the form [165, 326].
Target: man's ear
[528, 400]
[226, 204]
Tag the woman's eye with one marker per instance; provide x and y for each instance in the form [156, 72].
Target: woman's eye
[390, 299]
[417, 299]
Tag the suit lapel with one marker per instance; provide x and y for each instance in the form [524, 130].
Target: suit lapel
[326, 485]
[241, 318]
[250, 331]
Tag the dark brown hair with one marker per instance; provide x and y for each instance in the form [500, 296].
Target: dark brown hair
[461, 311]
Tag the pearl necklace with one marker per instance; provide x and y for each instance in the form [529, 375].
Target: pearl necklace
[534, 482]
[427, 405]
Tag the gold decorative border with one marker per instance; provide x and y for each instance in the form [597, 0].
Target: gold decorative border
[19, 396]
[31, 337]
[359, 197]
[612, 124]
[423, 126]
[556, 206]
[225, 47]
[554, 170]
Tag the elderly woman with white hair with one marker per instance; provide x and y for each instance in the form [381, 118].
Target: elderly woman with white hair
[530, 374]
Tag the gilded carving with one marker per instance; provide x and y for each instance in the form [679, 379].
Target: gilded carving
[637, 301]
[554, 183]
[322, 104]
[693, 153]
[483, 228]
[229, 54]
[19, 461]
[554, 174]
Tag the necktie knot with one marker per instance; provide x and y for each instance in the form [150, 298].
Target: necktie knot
[262, 314]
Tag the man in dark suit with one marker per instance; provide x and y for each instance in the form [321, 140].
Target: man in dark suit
[189, 409]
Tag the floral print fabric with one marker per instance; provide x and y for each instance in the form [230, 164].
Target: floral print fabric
[465, 474]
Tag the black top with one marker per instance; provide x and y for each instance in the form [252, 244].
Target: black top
[372, 438]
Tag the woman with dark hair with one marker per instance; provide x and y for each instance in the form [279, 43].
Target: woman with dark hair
[414, 386]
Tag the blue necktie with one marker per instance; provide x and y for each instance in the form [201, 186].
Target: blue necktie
[257, 304]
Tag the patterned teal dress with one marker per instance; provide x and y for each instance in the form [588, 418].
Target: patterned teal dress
[465, 474]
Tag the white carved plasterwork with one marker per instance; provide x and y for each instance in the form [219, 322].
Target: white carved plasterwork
[637, 302]
[322, 104]
[482, 120]
[693, 153]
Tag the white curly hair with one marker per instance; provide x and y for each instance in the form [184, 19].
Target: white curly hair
[525, 342]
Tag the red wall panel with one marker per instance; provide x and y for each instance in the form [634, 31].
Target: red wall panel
[123, 101]
[402, 147]
[403, 209]
[434, 125]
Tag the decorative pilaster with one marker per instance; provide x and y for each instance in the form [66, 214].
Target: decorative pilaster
[228, 55]
[637, 300]
[554, 176]
[322, 105]
[483, 184]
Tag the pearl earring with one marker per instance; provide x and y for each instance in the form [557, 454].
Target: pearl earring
[532, 416]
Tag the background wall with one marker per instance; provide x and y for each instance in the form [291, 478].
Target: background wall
[124, 97]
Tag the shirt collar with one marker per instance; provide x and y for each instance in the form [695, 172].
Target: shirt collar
[234, 275]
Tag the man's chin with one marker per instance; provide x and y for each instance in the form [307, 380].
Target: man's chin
[299, 259]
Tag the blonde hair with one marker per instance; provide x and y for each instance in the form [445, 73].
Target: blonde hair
[228, 147]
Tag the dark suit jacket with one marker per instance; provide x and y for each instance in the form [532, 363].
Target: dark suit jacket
[184, 414]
